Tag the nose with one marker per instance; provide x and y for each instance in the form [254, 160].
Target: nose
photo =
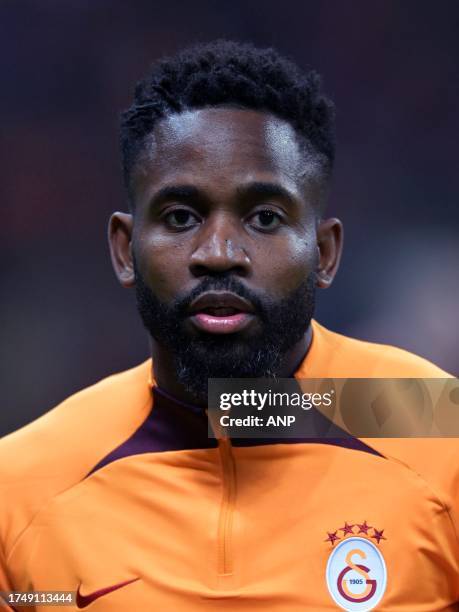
[219, 249]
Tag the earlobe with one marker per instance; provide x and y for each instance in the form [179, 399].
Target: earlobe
[120, 229]
[330, 246]
[323, 279]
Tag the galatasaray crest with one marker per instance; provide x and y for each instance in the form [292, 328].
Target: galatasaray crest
[356, 572]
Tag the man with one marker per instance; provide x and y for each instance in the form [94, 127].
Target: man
[118, 494]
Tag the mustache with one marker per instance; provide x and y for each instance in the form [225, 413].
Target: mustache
[229, 283]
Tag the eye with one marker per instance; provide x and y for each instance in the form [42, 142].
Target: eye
[180, 218]
[266, 219]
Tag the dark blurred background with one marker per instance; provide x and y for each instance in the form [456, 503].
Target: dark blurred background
[68, 68]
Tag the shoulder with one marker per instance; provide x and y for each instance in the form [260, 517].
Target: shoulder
[58, 449]
[336, 355]
[76, 428]
[434, 460]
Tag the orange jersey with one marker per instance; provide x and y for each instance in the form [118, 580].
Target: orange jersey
[119, 494]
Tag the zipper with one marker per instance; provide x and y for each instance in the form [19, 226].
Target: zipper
[225, 521]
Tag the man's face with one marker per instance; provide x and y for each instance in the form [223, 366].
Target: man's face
[224, 242]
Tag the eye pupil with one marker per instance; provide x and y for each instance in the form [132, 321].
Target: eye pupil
[181, 216]
[266, 217]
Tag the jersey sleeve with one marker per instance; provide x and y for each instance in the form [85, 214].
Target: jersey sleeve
[5, 584]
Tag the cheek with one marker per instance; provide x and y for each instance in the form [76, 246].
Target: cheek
[289, 264]
[163, 265]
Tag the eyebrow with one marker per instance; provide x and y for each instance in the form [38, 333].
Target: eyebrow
[255, 189]
[175, 192]
[265, 189]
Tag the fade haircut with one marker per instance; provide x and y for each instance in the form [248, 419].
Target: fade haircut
[229, 74]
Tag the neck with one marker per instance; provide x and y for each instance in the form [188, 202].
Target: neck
[166, 378]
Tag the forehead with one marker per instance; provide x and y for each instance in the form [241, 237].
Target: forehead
[224, 145]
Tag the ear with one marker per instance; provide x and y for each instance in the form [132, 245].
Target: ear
[329, 246]
[120, 240]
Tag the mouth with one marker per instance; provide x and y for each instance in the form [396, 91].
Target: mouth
[218, 312]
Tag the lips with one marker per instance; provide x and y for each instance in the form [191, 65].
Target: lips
[221, 312]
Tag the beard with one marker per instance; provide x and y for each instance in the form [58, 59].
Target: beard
[198, 357]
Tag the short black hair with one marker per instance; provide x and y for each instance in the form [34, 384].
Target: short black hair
[233, 74]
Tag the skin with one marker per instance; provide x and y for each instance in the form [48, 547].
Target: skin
[178, 237]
